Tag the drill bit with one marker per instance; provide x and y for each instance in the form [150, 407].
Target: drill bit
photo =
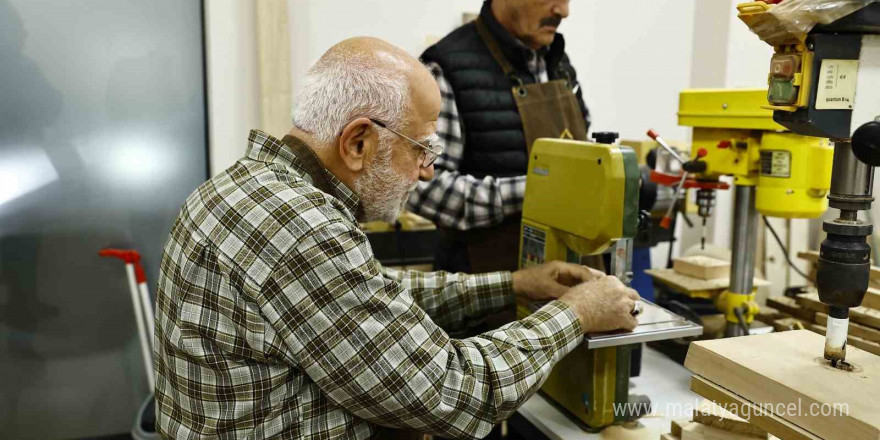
[703, 235]
[836, 335]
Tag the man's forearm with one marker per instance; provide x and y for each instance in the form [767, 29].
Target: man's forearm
[463, 202]
[451, 300]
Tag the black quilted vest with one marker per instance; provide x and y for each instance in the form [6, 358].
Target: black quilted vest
[493, 135]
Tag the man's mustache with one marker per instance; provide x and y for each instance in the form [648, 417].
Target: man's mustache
[552, 21]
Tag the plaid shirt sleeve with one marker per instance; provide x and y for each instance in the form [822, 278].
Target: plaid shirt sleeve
[459, 201]
[451, 300]
[371, 349]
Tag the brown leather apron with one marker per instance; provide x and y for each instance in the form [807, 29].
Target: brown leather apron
[547, 110]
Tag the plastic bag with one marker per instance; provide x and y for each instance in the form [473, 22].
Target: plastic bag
[790, 21]
[799, 16]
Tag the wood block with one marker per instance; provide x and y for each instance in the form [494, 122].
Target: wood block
[872, 299]
[714, 415]
[866, 316]
[816, 329]
[677, 425]
[768, 314]
[699, 266]
[786, 324]
[857, 330]
[786, 371]
[713, 324]
[737, 405]
[859, 315]
[790, 306]
[811, 301]
[699, 431]
[855, 341]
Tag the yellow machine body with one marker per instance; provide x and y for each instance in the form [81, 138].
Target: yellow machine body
[580, 198]
[792, 173]
[575, 194]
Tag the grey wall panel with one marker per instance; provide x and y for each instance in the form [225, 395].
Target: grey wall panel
[102, 137]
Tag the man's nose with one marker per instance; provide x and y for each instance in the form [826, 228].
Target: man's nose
[561, 8]
[426, 173]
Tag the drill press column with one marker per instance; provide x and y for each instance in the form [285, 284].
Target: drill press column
[742, 268]
[844, 256]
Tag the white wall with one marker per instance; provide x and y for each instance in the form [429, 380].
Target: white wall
[233, 80]
[315, 26]
[631, 70]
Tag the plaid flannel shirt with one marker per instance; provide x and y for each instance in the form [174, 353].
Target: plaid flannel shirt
[456, 201]
[275, 321]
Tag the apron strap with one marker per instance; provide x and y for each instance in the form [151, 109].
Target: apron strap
[495, 50]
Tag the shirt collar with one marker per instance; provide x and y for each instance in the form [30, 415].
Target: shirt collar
[292, 152]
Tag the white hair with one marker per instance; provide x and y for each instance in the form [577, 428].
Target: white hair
[346, 84]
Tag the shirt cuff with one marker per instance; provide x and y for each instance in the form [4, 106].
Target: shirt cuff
[512, 194]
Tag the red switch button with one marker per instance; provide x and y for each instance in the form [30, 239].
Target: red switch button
[784, 65]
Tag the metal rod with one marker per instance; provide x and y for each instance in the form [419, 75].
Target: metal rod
[745, 239]
[621, 260]
[653, 135]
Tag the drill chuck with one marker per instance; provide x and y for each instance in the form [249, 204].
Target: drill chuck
[705, 202]
[844, 264]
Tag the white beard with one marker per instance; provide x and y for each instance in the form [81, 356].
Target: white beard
[383, 191]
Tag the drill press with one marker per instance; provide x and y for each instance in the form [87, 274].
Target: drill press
[775, 173]
[823, 82]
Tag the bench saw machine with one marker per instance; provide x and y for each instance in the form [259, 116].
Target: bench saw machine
[582, 198]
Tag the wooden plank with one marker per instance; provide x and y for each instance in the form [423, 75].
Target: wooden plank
[691, 284]
[737, 405]
[786, 324]
[872, 299]
[702, 267]
[768, 314]
[787, 372]
[858, 330]
[813, 257]
[714, 415]
[699, 431]
[790, 306]
[855, 341]
[859, 315]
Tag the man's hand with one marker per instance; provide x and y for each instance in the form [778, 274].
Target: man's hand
[551, 280]
[603, 304]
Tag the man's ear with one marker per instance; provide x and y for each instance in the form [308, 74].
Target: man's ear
[358, 141]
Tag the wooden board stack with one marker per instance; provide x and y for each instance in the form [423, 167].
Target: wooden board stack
[710, 422]
[761, 374]
[781, 383]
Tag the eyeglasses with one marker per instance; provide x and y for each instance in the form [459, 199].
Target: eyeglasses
[429, 152]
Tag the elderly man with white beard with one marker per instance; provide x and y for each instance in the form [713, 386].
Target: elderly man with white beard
[274, 320]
